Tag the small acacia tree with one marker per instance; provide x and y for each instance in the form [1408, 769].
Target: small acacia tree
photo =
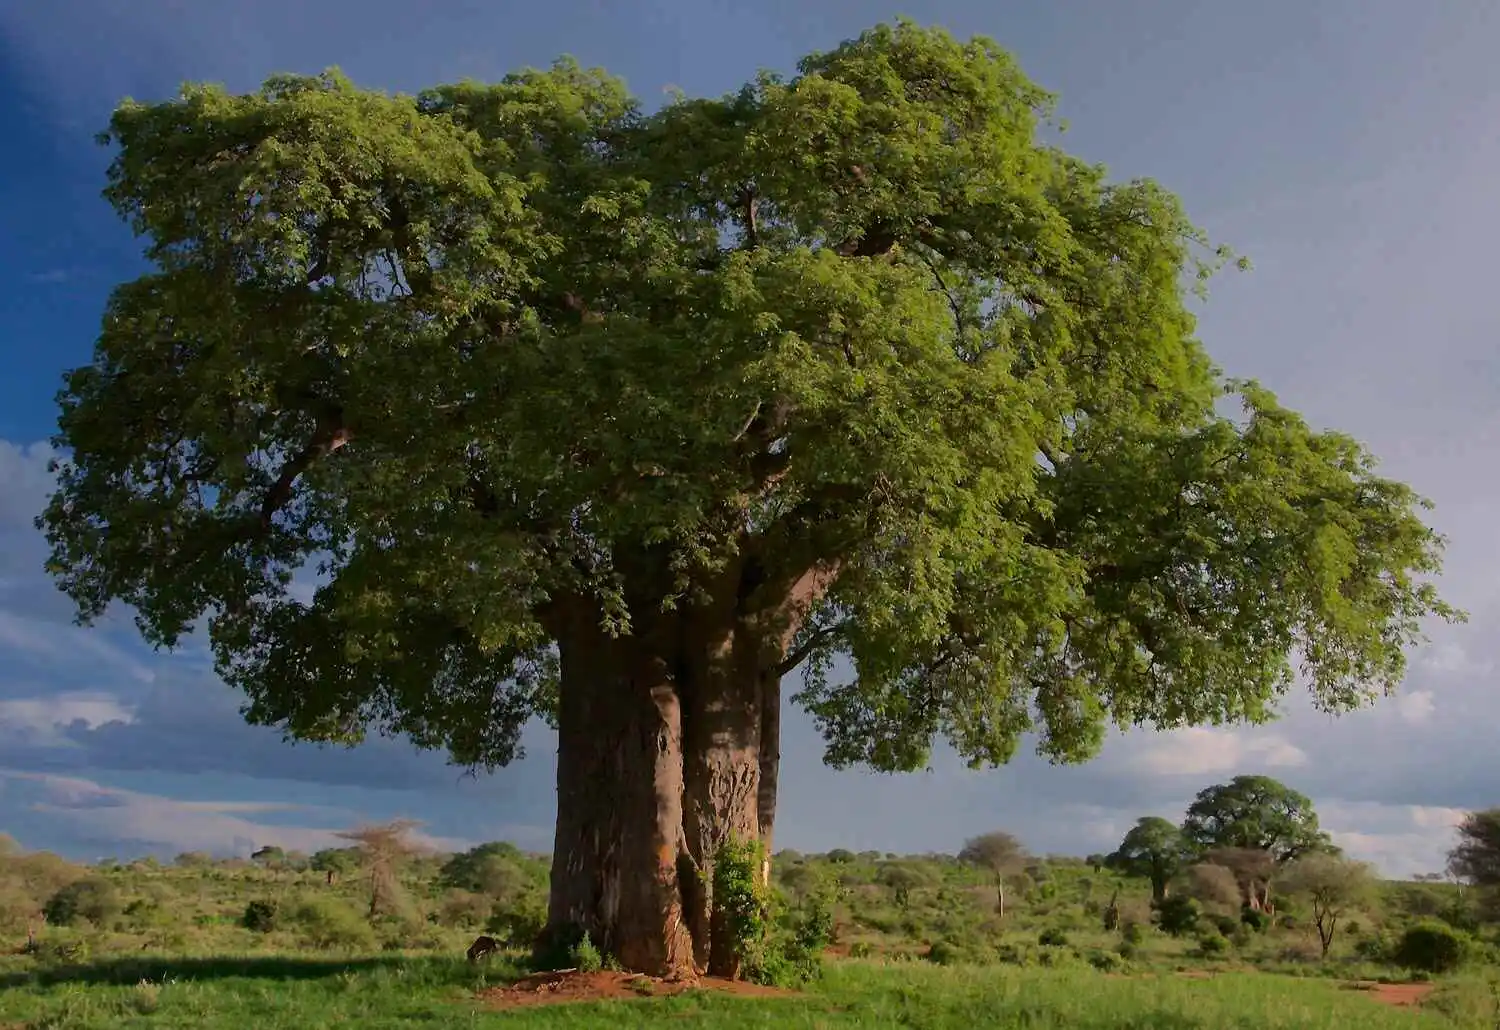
[383, 848]
[618, 418]
[1333, 885]
[999, 854]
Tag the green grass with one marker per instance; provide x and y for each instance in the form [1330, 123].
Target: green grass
[274, 992]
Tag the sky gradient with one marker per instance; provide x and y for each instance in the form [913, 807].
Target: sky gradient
[1348, 148]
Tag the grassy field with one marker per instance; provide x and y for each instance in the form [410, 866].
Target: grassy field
[287, 992]
[916, 943]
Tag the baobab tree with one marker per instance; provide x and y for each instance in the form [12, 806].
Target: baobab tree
[564, 408]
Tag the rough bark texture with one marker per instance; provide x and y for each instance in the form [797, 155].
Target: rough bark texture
[669, 739]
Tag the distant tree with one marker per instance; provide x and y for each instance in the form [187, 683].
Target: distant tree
[496, 869]
[1153, 849]
[1257, 813]
[901, 877]
[382, 849]
[1212, 885]
[335, 862]
[1333, 885]
[1475, 859]
[271, 857]
[93, 898]
[1253, 870]
[999, 854]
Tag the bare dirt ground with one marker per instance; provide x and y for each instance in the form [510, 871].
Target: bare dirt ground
[570, 985]
[1400, 995]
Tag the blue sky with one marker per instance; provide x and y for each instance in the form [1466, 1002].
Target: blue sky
[1347, 147]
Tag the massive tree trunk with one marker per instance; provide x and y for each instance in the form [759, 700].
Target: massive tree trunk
[616, 859]
[668, 744]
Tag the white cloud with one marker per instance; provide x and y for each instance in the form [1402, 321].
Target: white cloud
[1202, 751]
[167, 825]
[1415, 707]
[41, 719]
[24, 482]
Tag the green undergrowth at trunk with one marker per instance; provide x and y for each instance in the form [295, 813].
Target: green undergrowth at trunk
[402, 991]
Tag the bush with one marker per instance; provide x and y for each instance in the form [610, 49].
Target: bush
[1107, 961]
[861, 949]
[1374, 947]
[1431, 947]
[259, 916]
[1052, 938]
[1212, 944]
[93, 900]
[586, 957]
[1255, 919]
[329, 923]
[1226, 925]
[1178, 915]
[520, 922]
[1133, 932]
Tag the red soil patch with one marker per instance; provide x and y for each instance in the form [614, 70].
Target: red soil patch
[569, 985]
[1400, 995]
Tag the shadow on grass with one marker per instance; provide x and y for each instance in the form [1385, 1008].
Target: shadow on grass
[130, 970]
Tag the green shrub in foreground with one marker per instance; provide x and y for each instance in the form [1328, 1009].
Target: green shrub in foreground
[1430, 946]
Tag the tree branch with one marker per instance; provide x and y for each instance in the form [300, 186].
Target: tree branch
[814, 640]
[330, 435]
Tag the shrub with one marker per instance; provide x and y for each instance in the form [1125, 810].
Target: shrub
[259, 916]
[1052, 937]
[586, 957]
[1178, 915]
[1106, 961]
[1254, 918]
[520, 922]
[93, 900]
[1374, 947]
[1226, 925]
[1212, 943]
[739, 895]
[1431, 947]
[861, 949]
[330, 923]
[1133, 932]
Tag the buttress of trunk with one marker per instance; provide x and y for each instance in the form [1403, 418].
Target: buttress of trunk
[723, 763]
[615, 860]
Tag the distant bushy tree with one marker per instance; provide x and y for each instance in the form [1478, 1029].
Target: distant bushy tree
[1257, 813]
[1153, 849]
[1475, 859]
[93, 899]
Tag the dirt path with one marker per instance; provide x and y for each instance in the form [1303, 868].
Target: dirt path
[1400, 995]
[570, 986]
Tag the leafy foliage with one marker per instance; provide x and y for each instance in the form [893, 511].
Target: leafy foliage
[1153, 848]
[1475, 858]
[92, 899]
[1334, 887]
[1431, 947]
[464, 355]
[1255, 813]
